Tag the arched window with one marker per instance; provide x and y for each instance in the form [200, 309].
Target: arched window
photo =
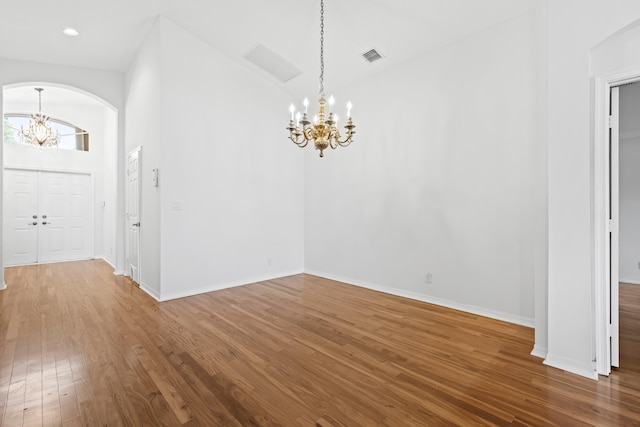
[71, 136]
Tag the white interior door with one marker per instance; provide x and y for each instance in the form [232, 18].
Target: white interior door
[21, 217]
[48, 216]
[614, 185]
[133, 215]
[66, 217]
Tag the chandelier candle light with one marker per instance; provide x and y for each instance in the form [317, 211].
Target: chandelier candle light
[324, 130]
[39, 132]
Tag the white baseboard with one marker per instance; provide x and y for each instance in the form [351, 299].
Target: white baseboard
[539, 352]
[633, 282]
[217, 287]
[108, 262]
[115, 271]
[573, 366]
[151, 292]
[3, 286]
[481, 311]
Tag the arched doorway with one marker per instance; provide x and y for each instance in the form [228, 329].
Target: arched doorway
[97, 168]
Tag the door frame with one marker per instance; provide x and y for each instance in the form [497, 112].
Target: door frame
[137, 149]
[601, 98]
[68, 171]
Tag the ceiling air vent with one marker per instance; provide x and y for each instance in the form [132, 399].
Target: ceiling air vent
[372, 55]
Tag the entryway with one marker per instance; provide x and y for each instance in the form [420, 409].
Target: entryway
[48, 216]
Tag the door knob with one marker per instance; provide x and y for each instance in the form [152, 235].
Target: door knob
[137, 224]
[35, 217]
[45, 223]
[33, 223]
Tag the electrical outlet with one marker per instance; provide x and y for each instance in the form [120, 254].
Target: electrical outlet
[428, 278]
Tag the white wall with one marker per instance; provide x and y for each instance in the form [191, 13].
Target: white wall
[540, 165]
[105, 85]
[571, 35]
[110, 211]
[630, 183]
[144, 129]
[439, 180]
[230, 201]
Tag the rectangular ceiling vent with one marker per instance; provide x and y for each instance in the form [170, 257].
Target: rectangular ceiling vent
[272, 63]
[372, 55]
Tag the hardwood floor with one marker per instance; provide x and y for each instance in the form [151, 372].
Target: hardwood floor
[80, 346]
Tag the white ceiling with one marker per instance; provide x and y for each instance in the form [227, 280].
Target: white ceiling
[111, 31]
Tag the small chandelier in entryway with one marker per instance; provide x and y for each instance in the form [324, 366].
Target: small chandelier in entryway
[324, 131]
[39, 131]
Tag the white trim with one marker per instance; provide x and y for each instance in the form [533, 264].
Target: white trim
[539, 352]
[106, 260]
[213, 288]
[151, 292]
[3, 286]
[58, 170]
[473, 309]
[569, 365]
[600, 209]
[633, 282]
[49, 262]
[599, 228]
[92, 237]
[115, 271]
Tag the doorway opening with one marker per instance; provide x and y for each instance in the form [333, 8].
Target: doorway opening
[89, 178]
[617, 197]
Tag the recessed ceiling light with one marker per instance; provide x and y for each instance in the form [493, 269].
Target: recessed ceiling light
[71, 32]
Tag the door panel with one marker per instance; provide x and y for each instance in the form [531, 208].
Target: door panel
[133, 215]
[21, 204]
[65, 205]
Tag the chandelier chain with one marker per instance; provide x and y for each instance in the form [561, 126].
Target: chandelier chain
[321, 48]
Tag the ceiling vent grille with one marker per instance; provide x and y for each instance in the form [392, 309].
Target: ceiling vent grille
[372, 55]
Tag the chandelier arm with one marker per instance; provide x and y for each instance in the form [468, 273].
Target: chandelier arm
[345, 142]
[296, 141]
[309, 133]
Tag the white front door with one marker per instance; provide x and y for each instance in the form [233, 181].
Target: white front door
[133, 215]
[56, 210]
[21, 217]
[66, 217]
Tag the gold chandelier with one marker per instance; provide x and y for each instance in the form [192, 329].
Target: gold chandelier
[39, 132]
[324, 130]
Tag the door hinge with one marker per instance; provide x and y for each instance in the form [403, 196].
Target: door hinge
[613, 121]
[609, 225]
[609, 330]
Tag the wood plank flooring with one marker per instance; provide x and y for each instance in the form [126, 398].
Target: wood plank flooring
[82, 347]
